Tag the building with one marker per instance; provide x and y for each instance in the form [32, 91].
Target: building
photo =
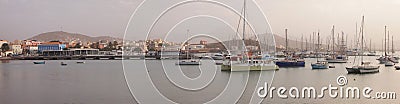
[30, 46]
[51, 46]
[16, 49]
[71, 52]
[2, 42]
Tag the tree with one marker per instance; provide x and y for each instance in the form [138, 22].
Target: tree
[78, 45]
[5, 47]
[115, 44]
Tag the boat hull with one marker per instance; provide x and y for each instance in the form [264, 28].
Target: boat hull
[363, 69]
[315, 66]
[290, 64]
[248, 68]
[188, 63]
[39, 62]
[336, 61]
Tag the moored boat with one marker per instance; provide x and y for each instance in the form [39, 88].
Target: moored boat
[188, 62]
[63, 64]
[39, 62]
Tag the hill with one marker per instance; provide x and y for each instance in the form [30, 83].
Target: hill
[65, 36]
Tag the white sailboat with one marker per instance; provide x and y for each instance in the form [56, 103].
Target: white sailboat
[363, 67]
[245, 63]
[190, 61]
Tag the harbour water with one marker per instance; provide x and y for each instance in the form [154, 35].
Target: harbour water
[102, 82]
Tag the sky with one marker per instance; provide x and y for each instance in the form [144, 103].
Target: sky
[21, 19]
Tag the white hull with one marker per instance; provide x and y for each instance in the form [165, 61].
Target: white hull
[246, 67]
[188, 62]
[336, 61]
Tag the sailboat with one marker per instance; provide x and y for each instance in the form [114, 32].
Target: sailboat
[386, 59]
[364, 67]
[246, 63]
[290, 61]
[190, 61]
[340, 57]
[319, 64]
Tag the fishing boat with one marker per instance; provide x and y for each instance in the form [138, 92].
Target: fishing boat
[319, 64]
[80, 62]
[290, 61]
[39, 62]
[364, 67]
[397, 67]
[63, 64]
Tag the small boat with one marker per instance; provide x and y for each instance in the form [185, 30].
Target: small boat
[218, 57]
[363, 67]
[397, 67]
[39, 62]
[389, 63]
[250, 65]
[80, 62]
[189, 62]
[320, 65]
[290, 63]
[63, 64]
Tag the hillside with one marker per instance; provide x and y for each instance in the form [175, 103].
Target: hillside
[65, 36]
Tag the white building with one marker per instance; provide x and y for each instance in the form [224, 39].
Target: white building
[16, 49]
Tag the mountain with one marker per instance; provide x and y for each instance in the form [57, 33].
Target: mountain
[65, 36]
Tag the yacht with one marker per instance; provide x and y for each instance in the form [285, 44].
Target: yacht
[364, 67]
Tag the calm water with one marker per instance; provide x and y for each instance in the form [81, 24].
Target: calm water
[102, 82]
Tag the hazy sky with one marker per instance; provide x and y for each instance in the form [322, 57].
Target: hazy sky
[21, 19]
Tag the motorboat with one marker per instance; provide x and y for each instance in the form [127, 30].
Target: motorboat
[63, 64]
[188, 62]
[39, 62]
[320, 65]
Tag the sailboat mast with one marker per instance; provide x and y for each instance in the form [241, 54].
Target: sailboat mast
[392, 45]
[362, 39]
[301, 42]
[244, 19]
[333, 39]
[388, 41]
[286, 41]
[385, 41]
[317, 47]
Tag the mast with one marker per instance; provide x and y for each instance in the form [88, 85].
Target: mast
[370, 45]
[388, 41]
[301, 42]
[313, 41]
[362, 40]
[392, 45]
[286, 41]
[385, 42]
[187, 50]
[317, 47]
[333, 39]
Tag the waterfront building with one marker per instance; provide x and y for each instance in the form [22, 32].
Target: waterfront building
[51, 47]
[71, 52]
[16, 49]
